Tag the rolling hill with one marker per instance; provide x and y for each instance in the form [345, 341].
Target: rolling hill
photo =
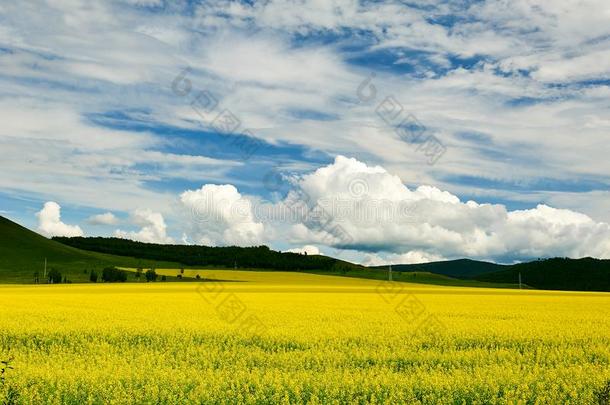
[23, 252]
[461, 268]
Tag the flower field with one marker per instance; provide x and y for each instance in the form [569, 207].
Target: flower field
[259, 337]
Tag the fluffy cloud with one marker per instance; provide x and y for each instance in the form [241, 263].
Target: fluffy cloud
[307, 249]
[220, 215]
[50, 224]
[412, 257]
[368, 209]
[107, 218]
[153, 228]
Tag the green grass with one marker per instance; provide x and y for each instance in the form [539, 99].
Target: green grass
[420, 277]
[23, 252]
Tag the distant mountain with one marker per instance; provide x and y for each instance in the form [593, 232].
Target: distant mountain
[586, 274]
[461, 268]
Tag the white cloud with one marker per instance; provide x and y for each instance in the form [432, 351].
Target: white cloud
[107, 218]
[379, 213]
[412, 257]
[220, 215]
[307, 249]
[153, 228]
[50, 224]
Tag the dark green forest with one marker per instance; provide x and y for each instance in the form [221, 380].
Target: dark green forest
[586, 274]
[259, 257]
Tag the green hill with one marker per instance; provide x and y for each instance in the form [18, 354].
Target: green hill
[461, 268]
[23, 252]
[585, 274]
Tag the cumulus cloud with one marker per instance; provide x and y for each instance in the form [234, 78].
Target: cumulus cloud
[412, 257]
[107, 218]
[380, 213]
[307, 249]
[50, 224]
[153, 228]
[220, 215]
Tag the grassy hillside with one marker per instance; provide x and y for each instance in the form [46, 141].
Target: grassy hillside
[23, 252]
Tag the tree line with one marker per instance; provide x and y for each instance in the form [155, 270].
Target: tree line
[261, 257]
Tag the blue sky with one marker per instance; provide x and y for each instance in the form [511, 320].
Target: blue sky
[140, 110]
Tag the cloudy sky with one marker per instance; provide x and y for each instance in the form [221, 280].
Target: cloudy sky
[374, 131]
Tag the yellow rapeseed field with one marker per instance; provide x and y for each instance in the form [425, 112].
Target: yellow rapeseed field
[261, 337]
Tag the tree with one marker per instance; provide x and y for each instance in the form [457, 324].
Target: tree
[54, 276]
[36, 277]
[112, 275]
[163, 278]
[151, 275]
[139, 273]
[93, 276]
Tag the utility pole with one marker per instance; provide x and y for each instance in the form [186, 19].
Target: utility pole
[519, 280]
[45, 269]
[390, 273]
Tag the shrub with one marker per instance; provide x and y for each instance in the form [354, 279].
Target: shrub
[93, 276]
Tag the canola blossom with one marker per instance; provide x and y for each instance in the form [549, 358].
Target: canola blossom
[272, 337]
